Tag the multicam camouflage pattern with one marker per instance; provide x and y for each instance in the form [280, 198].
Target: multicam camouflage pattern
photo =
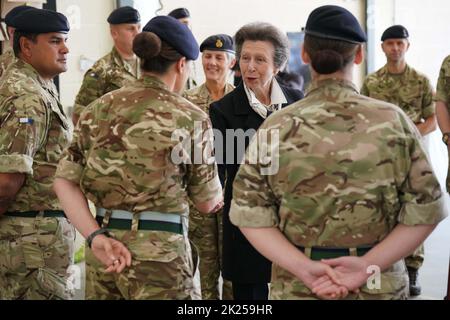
[121, 157]
[443, 94]
[411, 91]
[108, 74]
[162, 269]
[6, 59]
[35, 256]
[205, 230]
[200, 96]
[33, 134]
[34, 253]
[351, 169]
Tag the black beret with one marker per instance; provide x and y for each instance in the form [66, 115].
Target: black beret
[125, 14]
[180, 13]
[174, 33]
[218, 42]
[41, 21]
[11, 15]
[395, 32]
[334, 22]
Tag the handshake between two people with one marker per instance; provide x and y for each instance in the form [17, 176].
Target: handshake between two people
[334, 279]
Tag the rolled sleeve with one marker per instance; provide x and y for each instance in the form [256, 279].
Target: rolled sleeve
[206, 191]
[69, 170]
[16, 163]
[253, 217]
[413, 214]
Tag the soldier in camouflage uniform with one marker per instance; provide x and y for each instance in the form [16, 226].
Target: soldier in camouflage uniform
[36, 240]
[443, 107]
[7, 58]
[443, 118]
[118, 67]
[405, 87]
[123, 160]
[350, 179]
[205, 231]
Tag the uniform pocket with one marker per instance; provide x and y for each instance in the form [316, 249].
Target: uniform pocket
[52, 286]
[11, 258]
[159, 246]
[393, 284]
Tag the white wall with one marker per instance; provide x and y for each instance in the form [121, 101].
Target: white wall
[89, 37]
[227, 16]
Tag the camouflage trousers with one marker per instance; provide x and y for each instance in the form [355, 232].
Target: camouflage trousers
[35, 257]
[162, 269]
[205, 231]
[392, 284]
[415, 260]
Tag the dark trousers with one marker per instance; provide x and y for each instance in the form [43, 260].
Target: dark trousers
[254, 291]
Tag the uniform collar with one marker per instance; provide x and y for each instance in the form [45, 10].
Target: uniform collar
[384, 71]
[32, 73]
[340, 84]
[124, 64]
[153, 82]
[202, 90]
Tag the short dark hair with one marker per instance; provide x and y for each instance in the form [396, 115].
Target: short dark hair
[328, 55]
[16, 41]
[263, 31]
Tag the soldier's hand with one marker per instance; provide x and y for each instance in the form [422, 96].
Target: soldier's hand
[332, 290]
[351, 271]
[112, 253]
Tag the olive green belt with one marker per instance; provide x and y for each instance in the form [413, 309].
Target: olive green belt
[34, 214]
[148, 220]
[319, 253]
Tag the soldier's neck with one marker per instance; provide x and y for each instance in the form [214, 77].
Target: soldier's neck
[125, 55]
[43, 75]
[345, 74]
[216, 89]
[396, 67]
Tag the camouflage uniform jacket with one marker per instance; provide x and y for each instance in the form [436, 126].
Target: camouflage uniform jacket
[443, 95]
[6, 59]
[443, 85]
[350, 169]
[411, 91]
[108, 74]
[34, 131]
[200, 96]
[121, 154]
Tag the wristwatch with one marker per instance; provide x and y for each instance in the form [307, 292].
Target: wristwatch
[446, 138]
[91, 237]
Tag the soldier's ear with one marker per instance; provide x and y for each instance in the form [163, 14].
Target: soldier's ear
[304, 55]
[359, 56]
[181, 64]
[25, 47]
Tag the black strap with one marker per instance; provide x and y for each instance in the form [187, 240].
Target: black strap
[91, 237]
[34, 214]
